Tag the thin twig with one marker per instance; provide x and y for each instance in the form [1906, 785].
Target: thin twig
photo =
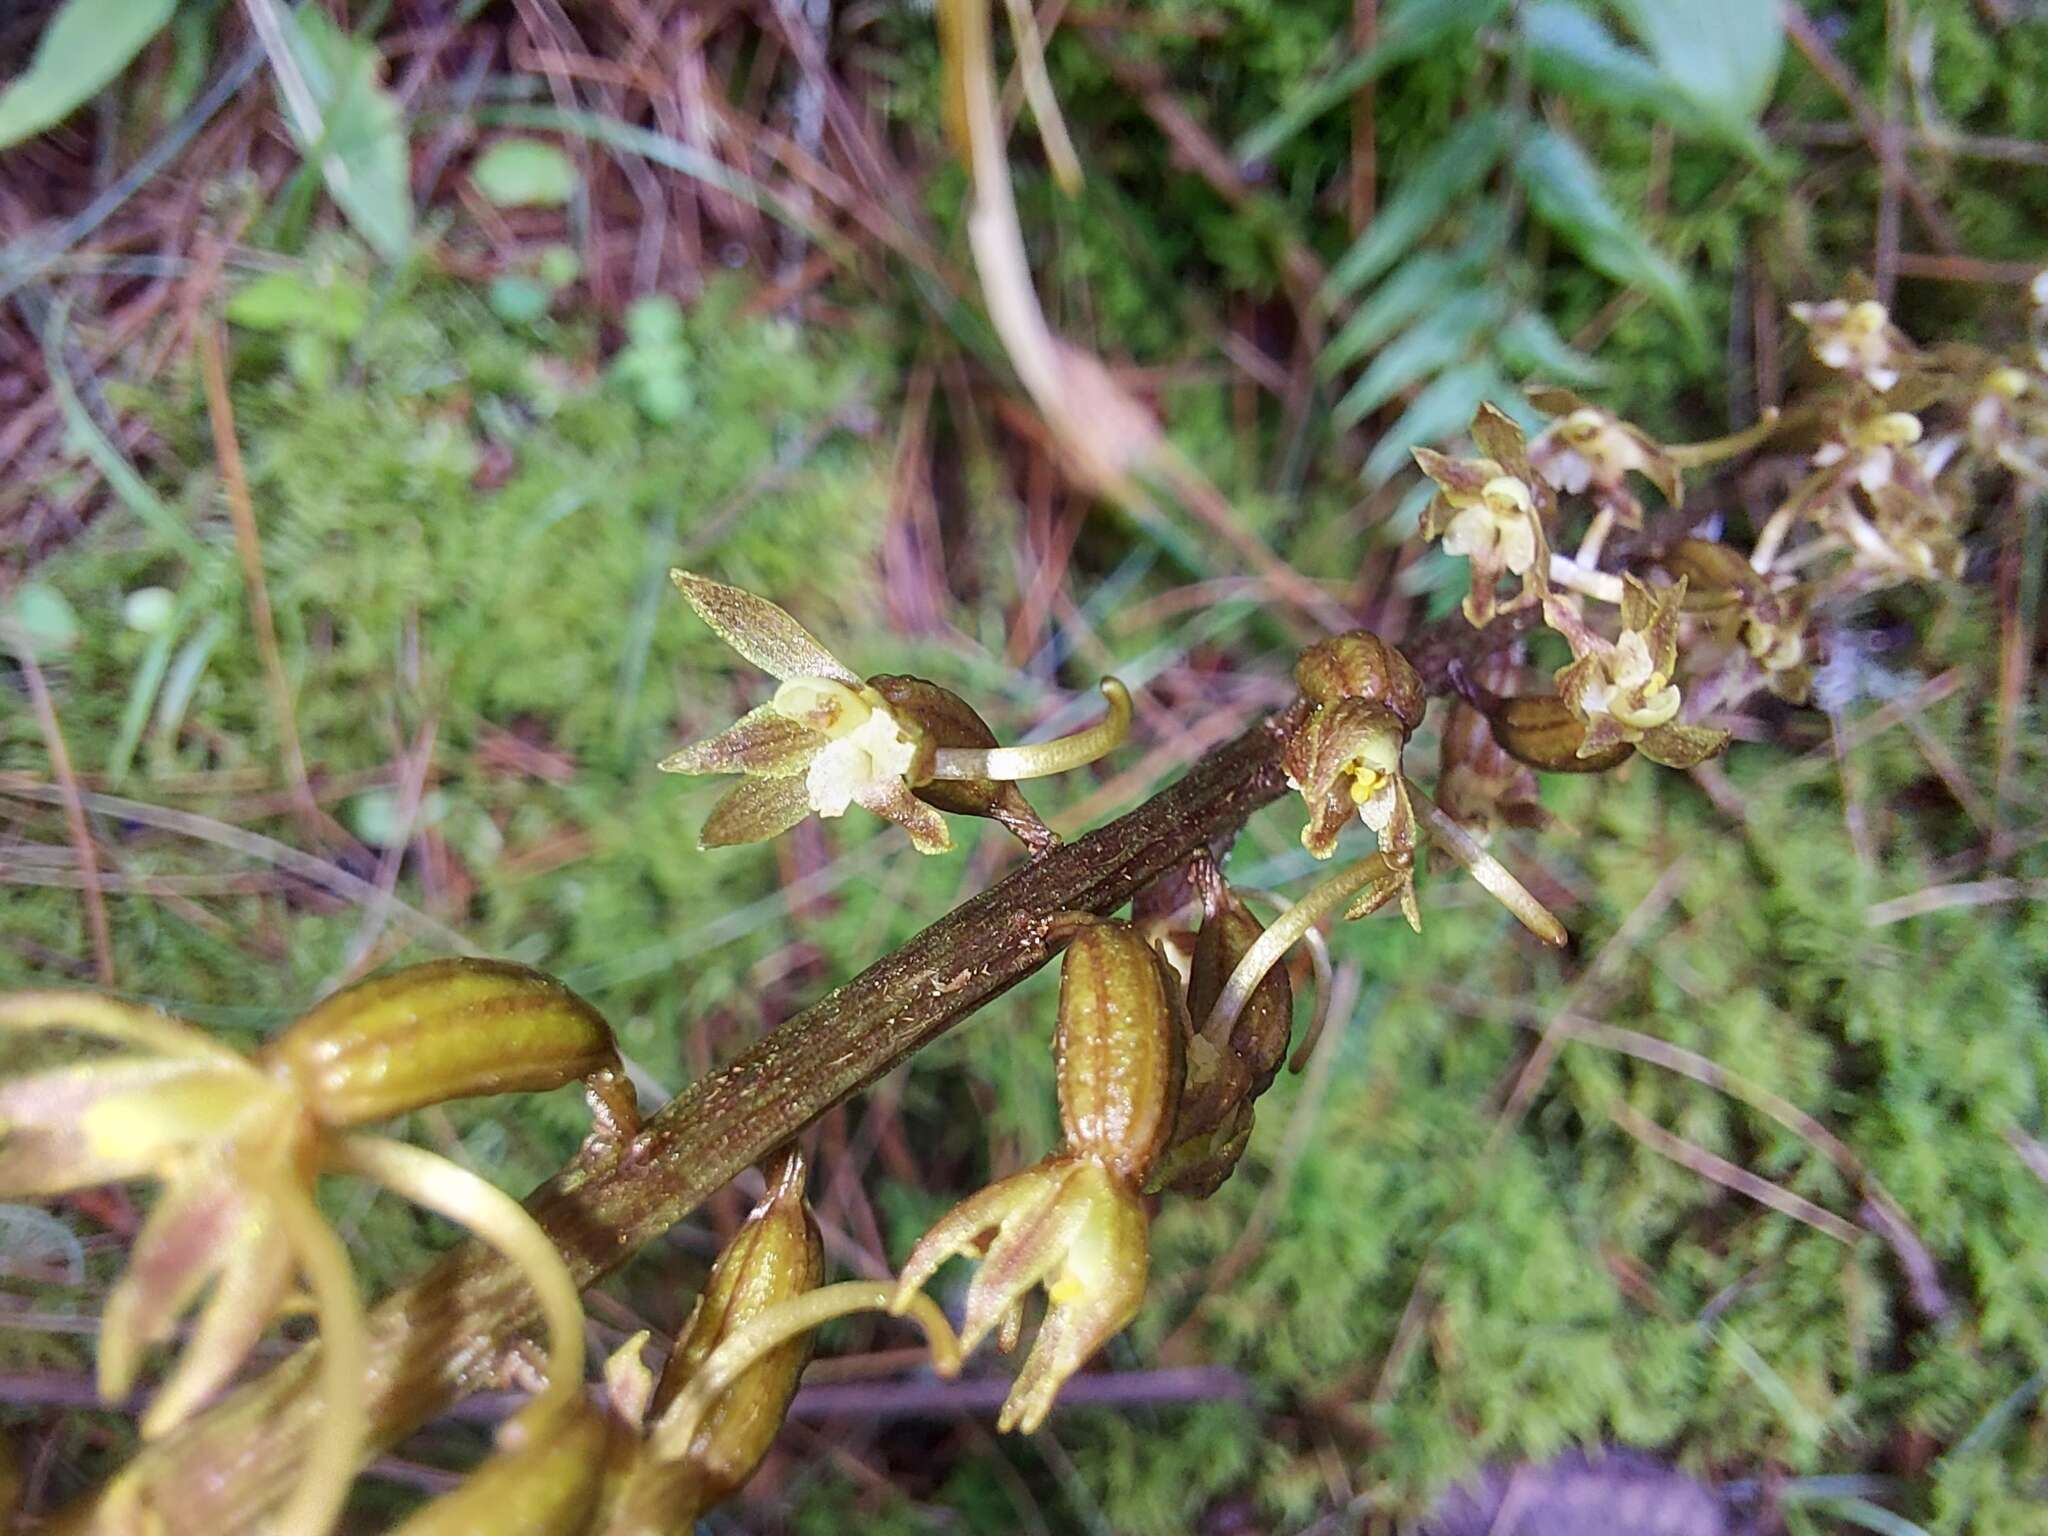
[1940, 898]
[220, 413]
[1730, 1176]
[1881, 1210]
[1813, 47]
[74, 811]
[255, 845]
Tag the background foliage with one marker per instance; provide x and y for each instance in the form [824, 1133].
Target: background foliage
[483, 412]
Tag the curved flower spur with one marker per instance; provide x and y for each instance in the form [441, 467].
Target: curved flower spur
[901, 747]
[236, 1142]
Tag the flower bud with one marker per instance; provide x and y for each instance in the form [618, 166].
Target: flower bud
[1360, 665]
[1717, 578]
[1259, 1037]
[1477, 782]
[1118, 1048]
[444, 1030]
[944, 719]
[774, 1258]
[1223, 1080]
[1541, 730]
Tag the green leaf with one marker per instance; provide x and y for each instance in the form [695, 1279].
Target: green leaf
[1420, 283]
[519, 300]
[359, 141]
[525, 173]
[42, 618]
[279, 302]
[1404, 32]
[1439, 411]
[1722, 55]
[1453, 169]
[1442, 338]
[1531, 347]
[1424, 283]
[86, 44]
[1565, 193]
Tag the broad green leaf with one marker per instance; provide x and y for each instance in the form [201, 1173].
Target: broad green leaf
[1723, 54]
[1439, 411]
[1565, 193]
[1531, 347]
[1405, 31]
[334, 306]
[524, 173]
[1439, 340]
[359, 143]
[86, 44]
[1452, 170]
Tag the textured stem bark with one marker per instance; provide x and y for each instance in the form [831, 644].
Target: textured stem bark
[442, 1336]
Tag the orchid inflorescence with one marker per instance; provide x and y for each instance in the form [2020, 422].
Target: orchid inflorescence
[1889, 441]
[1169, 1027]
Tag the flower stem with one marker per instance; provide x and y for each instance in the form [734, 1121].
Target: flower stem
[1715, 449]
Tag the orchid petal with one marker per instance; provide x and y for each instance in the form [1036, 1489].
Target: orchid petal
[755, 810]
[893, 800]
[760, 631]
[761, 742]
[180, 1248]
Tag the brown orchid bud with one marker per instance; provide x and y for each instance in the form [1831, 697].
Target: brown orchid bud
[449, 1029]
[1223, 1080]
[1477, 782]
[1259, 1037]
[1118, 1049]
[944, 719]
[1360, 665]
[547, 1486]
[1542, 731]
[1718, 579]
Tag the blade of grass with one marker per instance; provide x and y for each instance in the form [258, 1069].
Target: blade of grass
[74, 810]
[227, 448]
[121, 477]
[674, 155]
